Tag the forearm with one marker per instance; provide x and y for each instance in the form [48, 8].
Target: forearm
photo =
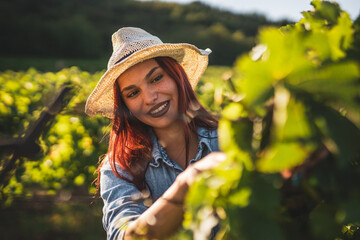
[164, 217]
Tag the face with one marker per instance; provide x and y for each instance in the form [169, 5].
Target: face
[150, 94]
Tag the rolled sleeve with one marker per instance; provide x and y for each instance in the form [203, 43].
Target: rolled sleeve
[120, 203]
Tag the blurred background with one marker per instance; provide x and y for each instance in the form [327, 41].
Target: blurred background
[52, 53]
[50, 35]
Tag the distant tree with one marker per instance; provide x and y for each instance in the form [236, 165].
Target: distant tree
[82, 29]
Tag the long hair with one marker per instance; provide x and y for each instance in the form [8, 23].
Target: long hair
[130, 140]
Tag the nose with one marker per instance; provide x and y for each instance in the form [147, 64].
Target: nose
[150, 96]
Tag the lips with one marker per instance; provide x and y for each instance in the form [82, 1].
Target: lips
[159, 109]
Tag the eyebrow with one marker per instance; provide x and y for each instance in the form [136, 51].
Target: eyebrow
[151, 72]
[148, 75]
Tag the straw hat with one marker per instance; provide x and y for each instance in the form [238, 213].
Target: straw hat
[132, 46]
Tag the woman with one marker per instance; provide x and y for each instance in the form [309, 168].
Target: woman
[161, 137]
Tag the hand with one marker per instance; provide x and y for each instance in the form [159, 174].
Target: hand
[207, 163]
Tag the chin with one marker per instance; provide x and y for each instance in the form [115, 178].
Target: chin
[164, 123]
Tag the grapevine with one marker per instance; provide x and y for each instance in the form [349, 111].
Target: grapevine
[292, 140]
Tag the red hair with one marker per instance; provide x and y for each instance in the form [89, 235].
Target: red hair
[130, 140]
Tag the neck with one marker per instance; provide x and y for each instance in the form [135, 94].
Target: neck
[173, 135]
[173, 141]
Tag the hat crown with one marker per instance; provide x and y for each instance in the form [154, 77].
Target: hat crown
[128, 40]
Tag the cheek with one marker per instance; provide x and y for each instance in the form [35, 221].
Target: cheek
[175, 92]
[134, 106]
[171, 88]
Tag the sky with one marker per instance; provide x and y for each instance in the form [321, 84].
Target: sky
[275, 9]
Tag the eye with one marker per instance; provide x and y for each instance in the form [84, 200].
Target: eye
[132, 93]
[157, 78]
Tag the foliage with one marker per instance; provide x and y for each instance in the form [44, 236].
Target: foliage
[292, 138]
[70, 146]
[213, 86]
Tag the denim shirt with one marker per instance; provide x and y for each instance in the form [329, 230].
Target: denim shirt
[122, 203]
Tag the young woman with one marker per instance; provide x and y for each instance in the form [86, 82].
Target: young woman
[161, 137]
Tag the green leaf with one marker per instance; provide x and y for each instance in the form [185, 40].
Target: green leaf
[334, 82]
[261, 186]
[338, 130]
[327, 10]
[296, 126]
[235, 140]
[310, 22]
[290, 135]
[233, 111]
[240, 197]
[285, 52]
[255, 84]
[330, 30]
[341, 36]
[281, 156]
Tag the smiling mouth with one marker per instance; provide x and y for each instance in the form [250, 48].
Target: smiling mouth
[159, 109]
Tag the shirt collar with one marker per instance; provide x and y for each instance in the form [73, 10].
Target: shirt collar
[159, 153]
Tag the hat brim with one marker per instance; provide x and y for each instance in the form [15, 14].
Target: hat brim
[193, 60]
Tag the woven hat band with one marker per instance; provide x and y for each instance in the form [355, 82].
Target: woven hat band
[127, 55]
[127, 41]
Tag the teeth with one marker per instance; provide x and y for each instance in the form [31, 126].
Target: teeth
[159, 109]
